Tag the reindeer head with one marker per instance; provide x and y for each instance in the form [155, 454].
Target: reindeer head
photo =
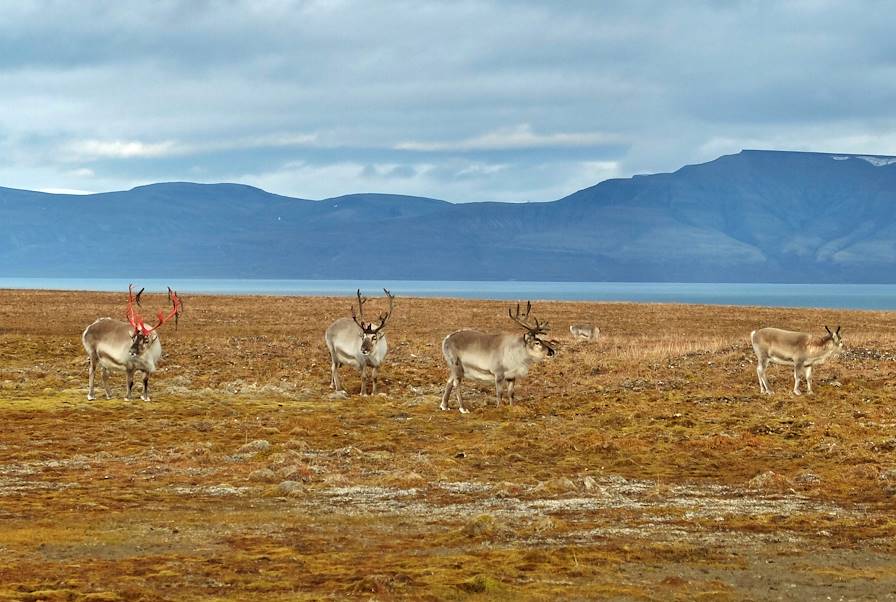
[370, 333]
[537, 347]
[835, 338]
[143, 336]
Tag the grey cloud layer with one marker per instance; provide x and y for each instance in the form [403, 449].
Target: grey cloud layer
[463, 101]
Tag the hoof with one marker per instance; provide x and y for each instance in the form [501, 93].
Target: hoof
[145, 398]
[91, 398]
[464, 411]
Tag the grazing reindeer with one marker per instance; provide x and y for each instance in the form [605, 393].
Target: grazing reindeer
[502, 357]
[798, 349]
[584, 332]
[357, 343]
[128, 346]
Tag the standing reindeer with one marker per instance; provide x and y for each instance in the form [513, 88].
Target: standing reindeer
[358, 343]
[798, 349]
[502, 357]
[128, 346]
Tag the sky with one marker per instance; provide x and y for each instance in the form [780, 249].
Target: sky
[462, 101]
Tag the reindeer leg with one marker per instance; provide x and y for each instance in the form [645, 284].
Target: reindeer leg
[448, 387]
[457, 372]
[761, 365]
[106, 383]
[364, 379]
[807, 371]
[460, 400]
[145, 396]
[373, 371]
[499, 381]
[91, 373]
[797, 370]
[130, 384]
[334, 374]
[511, 382]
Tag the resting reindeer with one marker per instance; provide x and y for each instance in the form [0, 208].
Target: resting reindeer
[128, 346]
[801, 350]
[584, 332]
[358, 343]
[502, 357]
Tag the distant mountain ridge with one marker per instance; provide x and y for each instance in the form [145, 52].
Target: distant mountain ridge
[755, 216]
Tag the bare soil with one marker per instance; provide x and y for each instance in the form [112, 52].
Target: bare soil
[643, 466]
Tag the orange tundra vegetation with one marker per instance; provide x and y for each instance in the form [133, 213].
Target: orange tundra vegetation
[644, 466]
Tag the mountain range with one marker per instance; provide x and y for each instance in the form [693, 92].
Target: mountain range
[754, 216]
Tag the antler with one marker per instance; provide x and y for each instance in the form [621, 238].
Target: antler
[176, 307]
[539, 328]
[137, 322]
[385, 316]
[134, 318]
[355, 317]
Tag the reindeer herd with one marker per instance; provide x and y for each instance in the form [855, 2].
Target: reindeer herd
[499, 357]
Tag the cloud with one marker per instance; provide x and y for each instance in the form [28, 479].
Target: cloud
[521, 136]
[89, 150]
[65, 191]
[529, 102]
[86, 150]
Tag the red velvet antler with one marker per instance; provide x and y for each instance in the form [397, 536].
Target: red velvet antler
[137, 322]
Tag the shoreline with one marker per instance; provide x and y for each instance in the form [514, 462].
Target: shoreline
[504, 296]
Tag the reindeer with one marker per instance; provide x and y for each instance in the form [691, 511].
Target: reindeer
[502, 357]
[584, 332]
[128, 346]
[798, 349]
[358, 343]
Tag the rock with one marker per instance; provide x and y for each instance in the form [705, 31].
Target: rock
[771, 481]
[339, 395]
[277, 459]
[264, 475]
[296, 444]
[254, 447]
[508, 489]
[866, 471]
[590, 484]
[558, 485]
[807, 478]
[481, 526]
[545, 524]
[291, 488]
[295, 473]
[887, 475]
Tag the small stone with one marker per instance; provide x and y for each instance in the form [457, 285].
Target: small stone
[770, 480]
[254, 447]
[277, 459]
[807, 478]
[291, 488]
[264, 475]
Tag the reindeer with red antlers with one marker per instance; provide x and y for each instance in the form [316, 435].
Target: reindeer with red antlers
[127, 346]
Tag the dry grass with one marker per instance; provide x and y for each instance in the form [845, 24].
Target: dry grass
[643, 466]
